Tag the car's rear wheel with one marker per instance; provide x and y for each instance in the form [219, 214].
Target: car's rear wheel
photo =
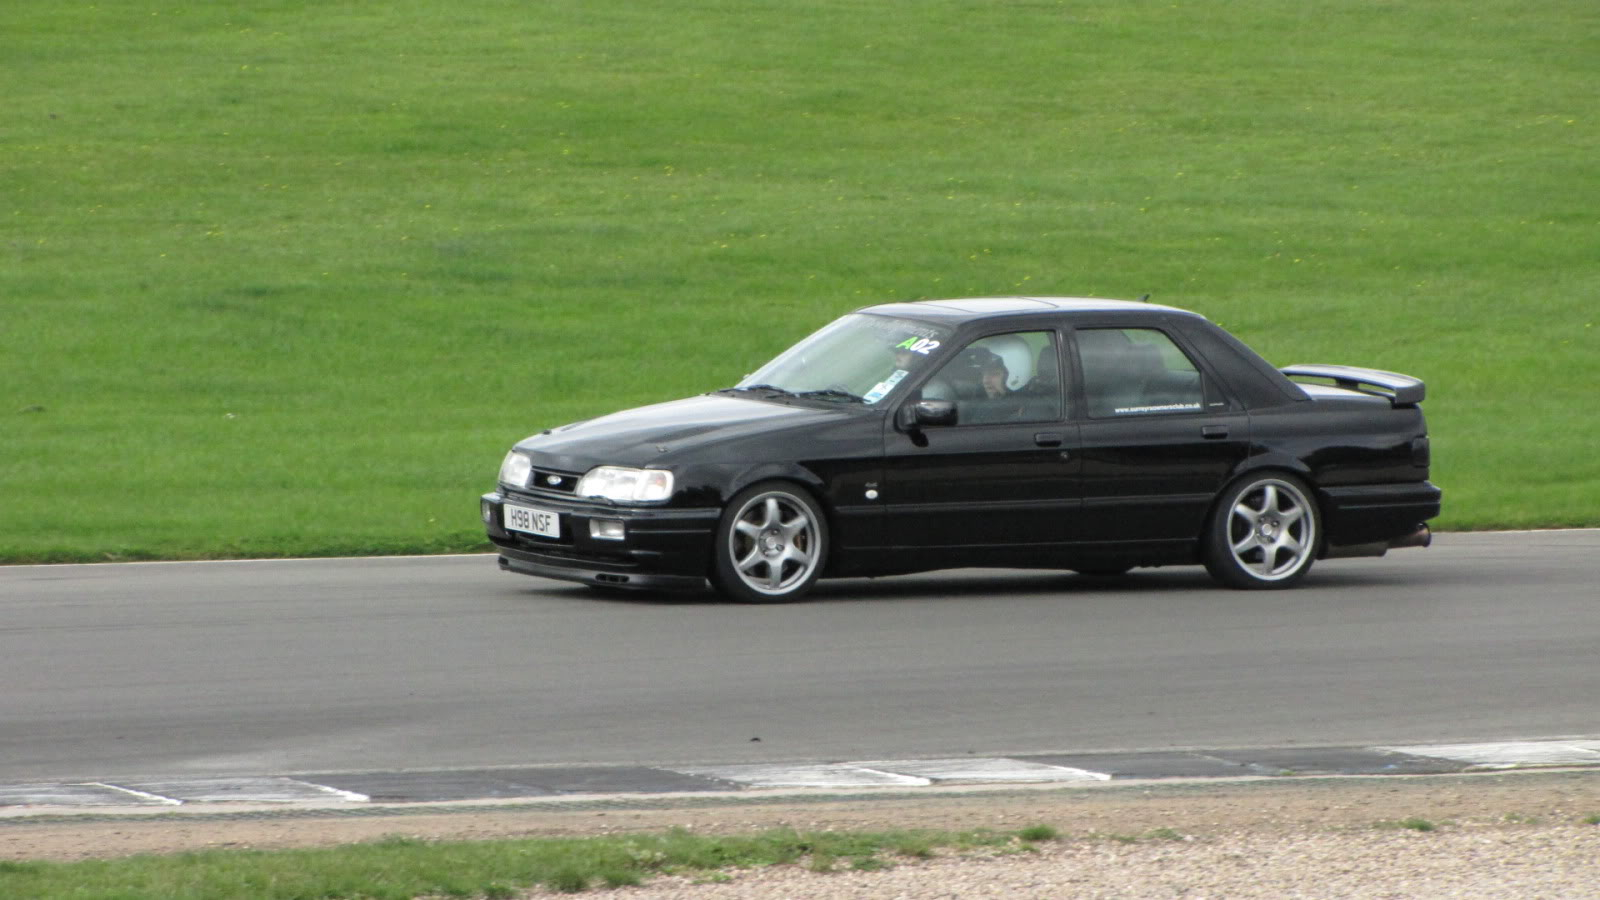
[772, 543]
[1263, 532]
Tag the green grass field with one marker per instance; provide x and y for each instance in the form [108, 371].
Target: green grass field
[289, 279]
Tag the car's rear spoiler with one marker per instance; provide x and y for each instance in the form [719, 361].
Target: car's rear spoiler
[1402, 390]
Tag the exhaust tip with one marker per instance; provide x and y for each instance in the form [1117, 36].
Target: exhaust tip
[1422, 537]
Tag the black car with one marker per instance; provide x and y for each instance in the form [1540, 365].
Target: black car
[1091, 435]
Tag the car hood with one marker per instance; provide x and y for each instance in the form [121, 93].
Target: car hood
[707, 427]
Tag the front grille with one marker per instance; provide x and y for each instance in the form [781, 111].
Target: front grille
[553, 481]
[563, 550]
[540, 542]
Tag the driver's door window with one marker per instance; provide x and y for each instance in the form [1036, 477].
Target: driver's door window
[1002, 378]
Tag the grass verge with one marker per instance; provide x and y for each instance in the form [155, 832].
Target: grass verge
[401, 869]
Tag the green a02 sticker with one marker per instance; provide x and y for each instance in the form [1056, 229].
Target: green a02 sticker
[921, 345]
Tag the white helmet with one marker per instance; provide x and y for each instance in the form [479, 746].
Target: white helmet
[1016, 354]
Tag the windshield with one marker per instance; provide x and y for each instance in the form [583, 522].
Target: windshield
[858, 359]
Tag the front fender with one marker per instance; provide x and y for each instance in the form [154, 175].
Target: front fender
[713, 485]
[780, 471]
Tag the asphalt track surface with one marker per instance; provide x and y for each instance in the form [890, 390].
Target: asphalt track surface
[174, 670]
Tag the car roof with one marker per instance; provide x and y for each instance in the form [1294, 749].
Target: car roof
[983, 307]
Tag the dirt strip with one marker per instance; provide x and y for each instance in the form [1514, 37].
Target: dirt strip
[1303, 805]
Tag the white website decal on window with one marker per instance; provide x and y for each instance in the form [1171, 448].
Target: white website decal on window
[1169, 407]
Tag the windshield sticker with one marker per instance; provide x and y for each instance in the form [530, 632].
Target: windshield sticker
[885, 386]
[1170, 407]
[923, 346]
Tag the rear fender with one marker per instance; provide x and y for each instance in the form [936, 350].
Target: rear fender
[1281, 462]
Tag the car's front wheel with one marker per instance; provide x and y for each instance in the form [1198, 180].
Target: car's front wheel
[771, 544]
[1263, 532]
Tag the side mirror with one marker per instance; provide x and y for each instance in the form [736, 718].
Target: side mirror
[932, 413]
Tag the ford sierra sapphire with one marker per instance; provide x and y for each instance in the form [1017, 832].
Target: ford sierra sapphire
[1027, 432]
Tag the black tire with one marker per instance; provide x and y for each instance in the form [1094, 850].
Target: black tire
[771, 544]
[1263, 533]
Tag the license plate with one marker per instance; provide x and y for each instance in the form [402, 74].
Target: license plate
[533, 521]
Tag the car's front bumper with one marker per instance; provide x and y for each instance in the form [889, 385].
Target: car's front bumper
[662, 548]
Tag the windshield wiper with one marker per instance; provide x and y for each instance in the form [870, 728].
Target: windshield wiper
[833, 394]
[819, 394]
[762, 388]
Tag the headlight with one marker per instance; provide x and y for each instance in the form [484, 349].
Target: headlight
[623, 485]
[514, 470]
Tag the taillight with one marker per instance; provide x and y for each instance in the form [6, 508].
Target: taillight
[1421, 456]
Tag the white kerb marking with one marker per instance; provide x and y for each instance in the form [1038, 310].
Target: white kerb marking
[245, 790]
[80, 794]
[140, 796]
[825, 775]
[985, 769]
[1510, 754]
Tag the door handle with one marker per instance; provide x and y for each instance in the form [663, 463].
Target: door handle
[1047, 439]
[1214, 432]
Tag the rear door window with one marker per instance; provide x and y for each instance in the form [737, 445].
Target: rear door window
[1137, 372]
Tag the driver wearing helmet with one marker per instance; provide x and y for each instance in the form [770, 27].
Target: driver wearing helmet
[993, 375]
[1005, 365]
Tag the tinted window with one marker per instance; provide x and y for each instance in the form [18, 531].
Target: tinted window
[1137, 372]
[1002, 378]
